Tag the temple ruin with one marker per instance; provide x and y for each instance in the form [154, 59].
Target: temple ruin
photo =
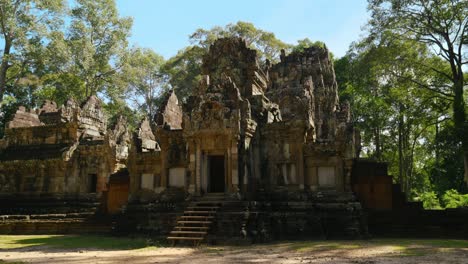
[248, 129]
[59, 157]
[267, 148]
[273, 134]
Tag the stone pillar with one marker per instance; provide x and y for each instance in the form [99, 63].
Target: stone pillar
[164, 169]
[102, 175]
[204, 172]
[227, 169]
[39, 184]
[311, 174]
[198, 169]
[300, 165]
[233, 167]
[192, 169]
[348, 167]
[57, 172]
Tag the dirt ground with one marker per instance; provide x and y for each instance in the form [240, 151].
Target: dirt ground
[381, 251]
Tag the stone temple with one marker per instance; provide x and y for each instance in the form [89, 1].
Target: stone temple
[248, 130]
[65, 150]
[258, 151]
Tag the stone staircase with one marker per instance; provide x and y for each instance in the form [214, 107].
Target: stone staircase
[42, 204]
[52, 214]
[198, 217]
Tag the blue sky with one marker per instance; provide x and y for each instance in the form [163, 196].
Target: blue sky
[164, 25]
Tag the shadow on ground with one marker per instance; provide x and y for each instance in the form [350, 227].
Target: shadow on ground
[75, 242]
[99, 249]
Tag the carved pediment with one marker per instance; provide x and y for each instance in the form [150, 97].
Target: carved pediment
[211, 115]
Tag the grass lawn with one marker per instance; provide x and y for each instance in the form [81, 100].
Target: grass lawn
[84, 249]
[125, 243]
[407, 247]
[74, 241]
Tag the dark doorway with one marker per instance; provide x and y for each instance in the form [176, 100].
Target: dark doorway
[92, 183]
[216, 174]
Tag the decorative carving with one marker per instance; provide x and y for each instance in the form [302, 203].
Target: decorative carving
[145, 137]
[119, 139]
[24, 118]
[92, 120]
[170, 113]
[55, 149]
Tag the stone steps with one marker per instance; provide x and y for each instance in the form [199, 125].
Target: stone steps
[191, 228]
[64, 226]
[200, 212]
[48, 204]
[197, 219]
[195, 222]
[212, 208]
[52, 214]
[213, 203]
[83, 215]
[189, 232]
[186, 238]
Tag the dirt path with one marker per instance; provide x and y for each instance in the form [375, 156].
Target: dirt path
[275, 253]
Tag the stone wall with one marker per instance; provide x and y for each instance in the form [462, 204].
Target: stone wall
[275, 139]
[277, 127]
[61, 150]
[419, 223]
[170, 112]
[24, 118]
[144, 164]
[231, 58]
[314, 135]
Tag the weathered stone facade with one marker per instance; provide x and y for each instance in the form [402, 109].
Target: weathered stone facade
[278, 128]
[61, 151]
[274, 139]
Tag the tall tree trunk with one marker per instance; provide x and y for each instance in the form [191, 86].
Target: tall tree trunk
[407, 156]
[465, 155]
[4, 67]
[400, 150]
[459, 114]
[378, 150]
[436, 141]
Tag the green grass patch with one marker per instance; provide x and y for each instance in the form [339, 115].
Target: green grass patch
[213, 250]
[74, 241]
[405, 247]
[437, 243]
[421, 247]
[14, 262]
[323, 245]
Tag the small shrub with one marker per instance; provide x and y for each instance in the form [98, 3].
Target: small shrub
[453, 199]
[429, 200]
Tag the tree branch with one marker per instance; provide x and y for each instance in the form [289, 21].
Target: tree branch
[425, 86]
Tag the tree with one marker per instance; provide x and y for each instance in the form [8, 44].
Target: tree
[24, 25]
[45, 58]
[87, 56]
[264, 42]
[117, 108]
[446, 169]
[307, 43]
[443, 26]
[397, 119]
[184, 68]
[97, 40]
[144, 79]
